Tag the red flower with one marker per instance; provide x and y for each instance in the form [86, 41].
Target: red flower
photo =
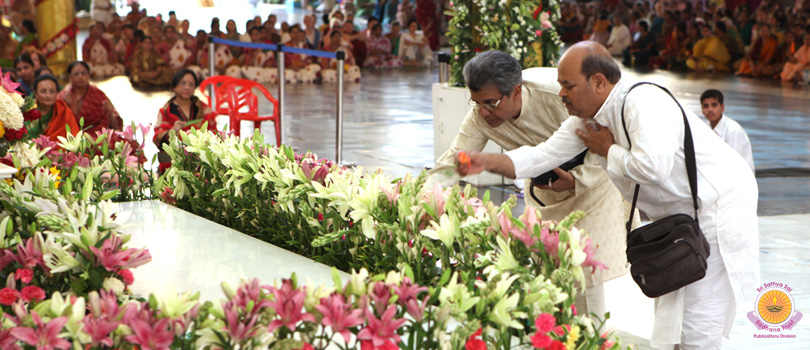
[33, 114]
[12, 134]
[24, 275]
[33, 293]
[320, 217]
[477, 50]
[574, 309]
[559, 330]
[8, 296]
[127, 276]
[474, 342]
[544, 323]
[537, 12]
[556, 345]
[540, 341]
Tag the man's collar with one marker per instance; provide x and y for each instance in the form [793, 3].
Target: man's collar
[601, 115]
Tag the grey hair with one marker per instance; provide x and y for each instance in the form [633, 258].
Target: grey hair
[493, 68]
[593, 64]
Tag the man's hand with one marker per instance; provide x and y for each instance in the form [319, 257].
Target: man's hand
[598, 141]
[564, 183]
[470, 163]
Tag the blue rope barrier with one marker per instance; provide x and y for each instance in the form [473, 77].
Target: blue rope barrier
[318, 53]
[262, 46]
[275, 47]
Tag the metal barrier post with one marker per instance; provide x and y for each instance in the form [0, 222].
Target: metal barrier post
[211, 68]
[281, 83]
[444, 67]
[341, 56]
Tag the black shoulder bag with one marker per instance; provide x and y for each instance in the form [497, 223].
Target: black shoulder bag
[670, 253]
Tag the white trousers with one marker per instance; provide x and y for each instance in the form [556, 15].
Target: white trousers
[708, 308]
[592, 301]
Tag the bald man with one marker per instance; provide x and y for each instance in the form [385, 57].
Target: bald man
[698, 315]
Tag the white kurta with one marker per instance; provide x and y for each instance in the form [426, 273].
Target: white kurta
[619, 40]
[727, 190]
[542, 112]
[735, 136]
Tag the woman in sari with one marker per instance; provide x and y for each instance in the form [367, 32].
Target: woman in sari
[88, 102]
[798, 62]
[56, 115]
[184, 111]
[147, 68]
[379, 49]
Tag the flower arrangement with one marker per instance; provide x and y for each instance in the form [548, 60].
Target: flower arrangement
[438, 268]
[444, 238]
[519, 27]
[111, 163]
[14, 111]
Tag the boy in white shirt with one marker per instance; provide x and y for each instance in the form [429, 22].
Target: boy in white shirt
[711, 103]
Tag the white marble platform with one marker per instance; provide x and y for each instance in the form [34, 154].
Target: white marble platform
[190, 253]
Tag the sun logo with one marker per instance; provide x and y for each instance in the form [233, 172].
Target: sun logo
[775, 306]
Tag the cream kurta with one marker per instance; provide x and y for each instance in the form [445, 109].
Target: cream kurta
[542, 112]
[727, 191]
[734, 135]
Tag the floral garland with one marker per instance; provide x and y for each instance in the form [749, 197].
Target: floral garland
[14, 111]
[521, 28]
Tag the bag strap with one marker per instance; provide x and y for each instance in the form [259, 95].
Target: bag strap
[688, 149]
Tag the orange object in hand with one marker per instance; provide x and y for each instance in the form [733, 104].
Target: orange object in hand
[463, 159]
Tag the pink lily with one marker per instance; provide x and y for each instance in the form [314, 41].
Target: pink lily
[407, 292]
[289, 304]
[99, 330]
[157, 337]
[589, 261]
[551, 241]
[250, 292]
[383, 330]
[112, 259]
[7, 341]
[6, 257]
[45, 336]
[507, 230]
[29, 253]
[8, 83]
[435, 199]
[380, 294]
[104, 304]
[240, 328]
[339, 315]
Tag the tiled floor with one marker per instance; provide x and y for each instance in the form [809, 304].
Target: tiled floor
[389, 126]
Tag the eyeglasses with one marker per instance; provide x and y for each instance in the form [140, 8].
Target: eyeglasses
[491, 106]
[79, 73]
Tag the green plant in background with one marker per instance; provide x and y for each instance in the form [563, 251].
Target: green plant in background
[521, 28]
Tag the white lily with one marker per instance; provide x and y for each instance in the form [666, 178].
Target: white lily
[502, 312]
[358, 282]
[446, 231]
[175, 304]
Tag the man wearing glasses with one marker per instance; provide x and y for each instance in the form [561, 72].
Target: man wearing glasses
[514, 108]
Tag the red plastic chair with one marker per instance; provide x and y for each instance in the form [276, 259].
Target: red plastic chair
[220, 103]
[240, 94]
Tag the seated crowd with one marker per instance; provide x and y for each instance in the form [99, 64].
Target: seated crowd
[770, 41]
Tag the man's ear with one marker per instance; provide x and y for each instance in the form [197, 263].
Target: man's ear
[599, 82]
[516, 91]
